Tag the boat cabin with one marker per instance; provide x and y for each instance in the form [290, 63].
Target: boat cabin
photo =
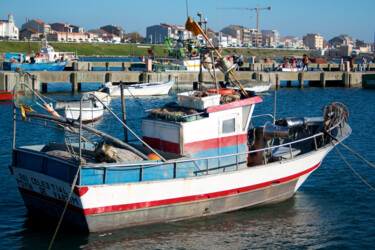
[198, 127]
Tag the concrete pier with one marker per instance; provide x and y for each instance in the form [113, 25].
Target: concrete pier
[76, 73]
[184, 79]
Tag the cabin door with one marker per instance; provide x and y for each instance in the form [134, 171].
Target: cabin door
[229, 129]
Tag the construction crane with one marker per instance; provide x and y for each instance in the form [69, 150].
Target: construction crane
[257, 9]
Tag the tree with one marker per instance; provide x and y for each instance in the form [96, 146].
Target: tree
[135, 37]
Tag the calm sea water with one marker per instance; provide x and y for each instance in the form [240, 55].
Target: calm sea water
[333, 209]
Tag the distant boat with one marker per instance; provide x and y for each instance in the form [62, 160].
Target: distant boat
[49, 52]
[140, 89]
[253, 85]
[35, 66]
[46, 60]
[6, 95]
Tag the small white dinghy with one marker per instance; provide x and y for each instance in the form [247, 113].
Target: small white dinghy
[92, 109]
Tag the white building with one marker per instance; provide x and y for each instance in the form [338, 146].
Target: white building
[8, 30]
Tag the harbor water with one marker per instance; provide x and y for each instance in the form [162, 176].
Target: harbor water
[333, 209]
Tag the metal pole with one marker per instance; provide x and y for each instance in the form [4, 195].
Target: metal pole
[274, 108]
[257, 26]
[213, 68]
[123, 110]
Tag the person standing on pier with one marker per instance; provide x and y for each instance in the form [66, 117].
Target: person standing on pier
[351, 63]
[363, 64]
[305, 63]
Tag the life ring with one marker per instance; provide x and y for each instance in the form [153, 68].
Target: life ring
[222, 91]
[194, 52]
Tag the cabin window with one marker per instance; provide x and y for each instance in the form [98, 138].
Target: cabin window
[229, 126]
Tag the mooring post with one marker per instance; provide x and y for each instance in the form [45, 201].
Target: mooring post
[107, 66]
[108, 77]
[76, 87]
[277, 81]
[323, 80]
[44, 87]
[75, 66]
[257, 76]
[301, 78]
[33, 82]
[346, 79]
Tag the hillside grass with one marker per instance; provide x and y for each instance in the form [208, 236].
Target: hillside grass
[104, 49]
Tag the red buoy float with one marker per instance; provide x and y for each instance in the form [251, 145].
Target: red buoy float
[222, 91]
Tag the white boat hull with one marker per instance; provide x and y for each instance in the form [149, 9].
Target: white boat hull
[88, 114]
[257, 88]
[108, 207]
[147, 89]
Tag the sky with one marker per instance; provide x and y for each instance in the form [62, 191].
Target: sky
[328, 18]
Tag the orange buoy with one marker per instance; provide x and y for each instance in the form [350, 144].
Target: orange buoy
[154, 157]
[222, 91]
[194, 52]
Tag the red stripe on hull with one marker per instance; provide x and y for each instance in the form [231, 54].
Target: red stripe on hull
[198, 146]
[214, 143]
[221, 194]
[162, 145]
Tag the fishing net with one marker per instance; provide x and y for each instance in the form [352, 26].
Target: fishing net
[26, 98]
[24, 95]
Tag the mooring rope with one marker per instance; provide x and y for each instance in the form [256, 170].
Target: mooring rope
[347, 163]
[6, 153]
[352, 151]
[66, 205]
[356, 154]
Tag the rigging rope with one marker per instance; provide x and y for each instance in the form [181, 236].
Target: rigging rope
[352, 151]
[347, 163]
[356, 154]
[66, 205]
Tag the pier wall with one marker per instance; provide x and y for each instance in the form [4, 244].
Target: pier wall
[185, 79]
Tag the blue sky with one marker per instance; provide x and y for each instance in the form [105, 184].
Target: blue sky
[329, 18]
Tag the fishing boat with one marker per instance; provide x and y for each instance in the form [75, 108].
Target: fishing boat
[48, 51]
[6, 95]
[139, 89]
[39, 62]
[198, 157]
[35, 66]
[92, 110]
